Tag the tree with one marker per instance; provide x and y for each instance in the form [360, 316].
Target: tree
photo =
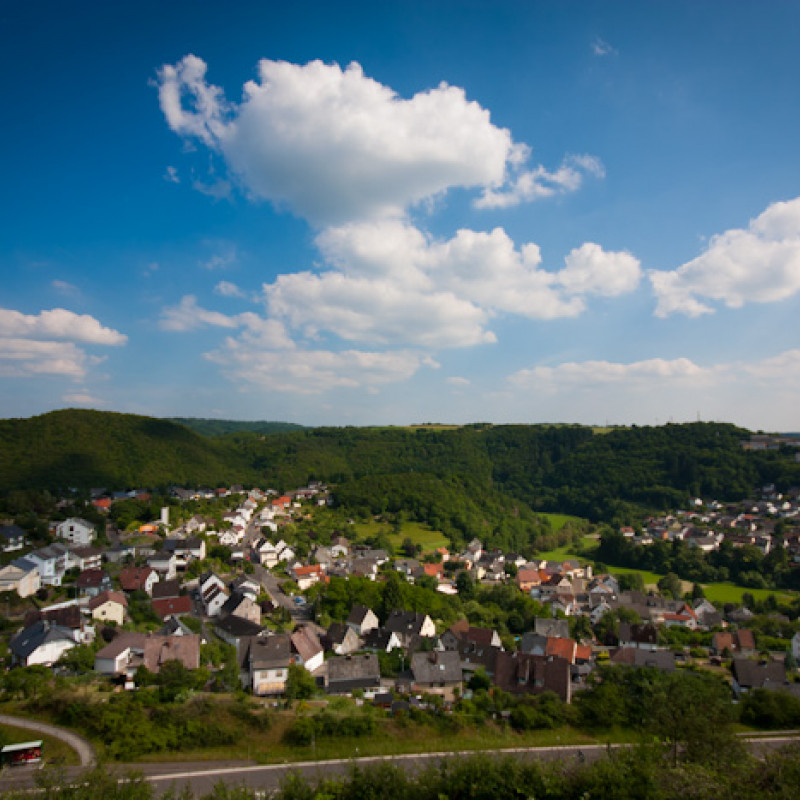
[300, 684]
[465, 586]
[671, 584]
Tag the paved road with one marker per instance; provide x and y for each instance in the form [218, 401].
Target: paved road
[84, 750]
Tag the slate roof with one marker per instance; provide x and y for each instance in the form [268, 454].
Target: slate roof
[435, 667]
[352, 672]
[34, 636]
[636, 657]
[269, 652]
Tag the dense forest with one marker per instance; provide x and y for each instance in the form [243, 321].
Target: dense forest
[219, 427]
[476, 480]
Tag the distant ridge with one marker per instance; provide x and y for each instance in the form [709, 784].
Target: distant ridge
[220, 427]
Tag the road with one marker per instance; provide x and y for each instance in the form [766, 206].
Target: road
[80, 745]
[265, 779]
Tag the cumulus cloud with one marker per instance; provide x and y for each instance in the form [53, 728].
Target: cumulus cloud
[171, 175]
[58, 323]
[334, 145]
[390, 282]
[757, 264]
[538, 183]
[25, 358]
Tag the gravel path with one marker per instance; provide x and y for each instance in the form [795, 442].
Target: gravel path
[84, 750]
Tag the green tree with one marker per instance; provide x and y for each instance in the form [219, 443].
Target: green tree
[300, 684]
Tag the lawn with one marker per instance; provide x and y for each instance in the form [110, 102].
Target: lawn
[419, 533]
[729, 593]
[558, 521]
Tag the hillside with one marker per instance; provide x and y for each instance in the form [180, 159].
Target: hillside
[96, 448]
[221, 427]
[475, 480]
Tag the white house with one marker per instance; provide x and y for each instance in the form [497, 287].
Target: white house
[75, 530]
[20, 576]
[41, 643]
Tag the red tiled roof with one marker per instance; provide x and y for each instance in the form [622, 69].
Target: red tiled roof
[172, 605]
[563, 648]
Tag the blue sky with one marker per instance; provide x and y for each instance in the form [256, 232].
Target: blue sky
[388, 213]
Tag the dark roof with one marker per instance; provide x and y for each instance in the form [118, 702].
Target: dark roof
[67, 617]
[164, 589]
[12, 532]
[265, 652]
[92, 578]
[406, 623]
[752, 675]
[34, 636]
[357, 615]
[520, 673]
[436, 667]
[635, 657]
[238, 627]
[352, 672]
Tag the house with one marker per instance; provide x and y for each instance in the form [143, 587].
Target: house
[41, 643]
[643, 636]
[234, 630]
[266, 660]
[12, 538]
[436, 672]
[240, 606]
[109, 607]
[636, 657]
[381, 640]
[362, 620]
[160, 649]
[113, 659]
[214, 598]
[20, 576]
[186, 550]
[164, 589]
[130, 650]
[75, 530]
[462, 631]
[51, 563]
[165, 564]
[92, 582]
[354, 672]
[409, 625]
[740, 642]
[307, 576]
[172, 606]
[521, 673]
[307, 647]
[85, 557]
[134, 579]
[341, 639]
[749, 675]
[65, 615]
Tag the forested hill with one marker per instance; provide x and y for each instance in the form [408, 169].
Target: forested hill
[97, 448]
[220, 427]
[438, 473]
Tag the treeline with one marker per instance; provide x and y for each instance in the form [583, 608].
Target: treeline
[221, 427]
[745, 566]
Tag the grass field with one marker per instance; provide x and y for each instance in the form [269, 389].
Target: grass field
[420, 534]
[558, 521]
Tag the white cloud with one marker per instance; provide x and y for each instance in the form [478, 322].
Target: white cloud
[333, 145]
[25, 358]
[228, 289]
[313, 371]
[458, 381]
[65, 288]
[393, 284]
[82, 399]
[592, 270]
[602, 48]
[539, 183]
[171, 175]
[759, 264]
[58, 323]
[571, 374]
[188, 316]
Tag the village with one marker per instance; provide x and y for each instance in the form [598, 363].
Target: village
[154, 595]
